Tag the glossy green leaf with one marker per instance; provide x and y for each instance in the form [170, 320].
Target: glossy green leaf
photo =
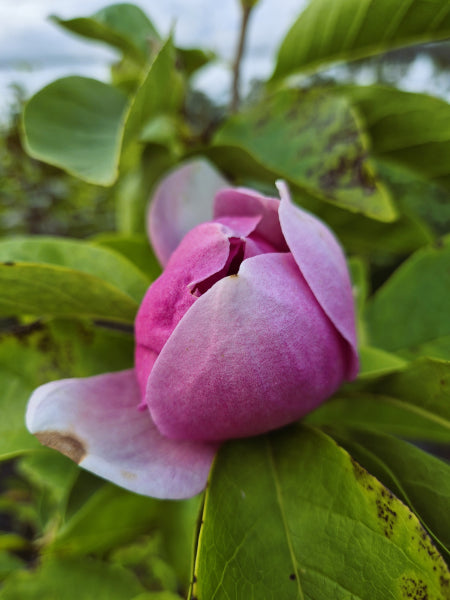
[123, 26]
[77, 123]
[110, 517]
[407, 129]
[314, 141]
[329, 31]
[417, 478]
[106, 264]
[291, 515]
[68, 579]
[411, 308]
[413, 403]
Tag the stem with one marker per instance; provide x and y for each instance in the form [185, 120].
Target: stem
[246, 10]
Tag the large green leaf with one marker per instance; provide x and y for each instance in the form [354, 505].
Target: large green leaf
[106, 264]
[81, 125]
[68, 579]
[291, 515]
[37, 353]
[408, 129]
[419, 479]
[77, 123]
[411, 309]
[329, 31]
[413, 403]
[314, 141]
[123, 26]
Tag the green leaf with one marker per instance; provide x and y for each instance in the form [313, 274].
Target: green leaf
[407, 129]
[417, 196]
[314, 141]
[291, 515]
[417, 478]
[14, 438]
[329, 31]
[376, 362]
[68, 579]
[411, 308]
[77, 123]
[82, 125]
[45, 290]
[34, 354]
[110, 517]
[159, 93]
[413, 403]
[123, 26]
[192, 59]
[135, 248]
[104, 263]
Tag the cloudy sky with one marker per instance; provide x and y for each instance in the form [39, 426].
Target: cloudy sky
[34, 51]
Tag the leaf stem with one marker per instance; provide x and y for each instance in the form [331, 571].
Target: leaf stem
[246, 11]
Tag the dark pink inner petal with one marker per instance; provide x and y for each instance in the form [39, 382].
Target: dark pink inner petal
[241, 202]
[235, 257]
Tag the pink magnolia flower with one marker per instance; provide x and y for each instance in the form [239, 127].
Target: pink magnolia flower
[250, 326]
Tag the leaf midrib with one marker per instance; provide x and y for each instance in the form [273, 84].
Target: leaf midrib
[280, 502]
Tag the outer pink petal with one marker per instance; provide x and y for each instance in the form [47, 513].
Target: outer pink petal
[183, 199]
[95, 422]
[202, 253]
[322, 263]
[253, 353]
[242, 202]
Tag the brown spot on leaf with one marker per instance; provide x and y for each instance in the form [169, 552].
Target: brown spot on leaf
[65, 443]
[9, 263]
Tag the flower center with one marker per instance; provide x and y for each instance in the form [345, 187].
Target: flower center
[231, 267]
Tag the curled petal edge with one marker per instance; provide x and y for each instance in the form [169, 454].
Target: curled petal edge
[95, 422]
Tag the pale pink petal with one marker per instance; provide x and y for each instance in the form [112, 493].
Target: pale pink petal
[242, 202]
[322, 263]
[183, 199]
[95, 422]
[253, 353]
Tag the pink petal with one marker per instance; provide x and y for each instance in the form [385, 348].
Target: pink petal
[202, 255]
[245, 202]
[322, 263]
[183, 199]
[253, 353]
[95, 422]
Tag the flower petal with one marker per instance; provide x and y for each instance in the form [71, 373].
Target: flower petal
[253, 353]
[183, 199]
[202, 254]
[95, 421]
[240, 202]
[322, 263]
